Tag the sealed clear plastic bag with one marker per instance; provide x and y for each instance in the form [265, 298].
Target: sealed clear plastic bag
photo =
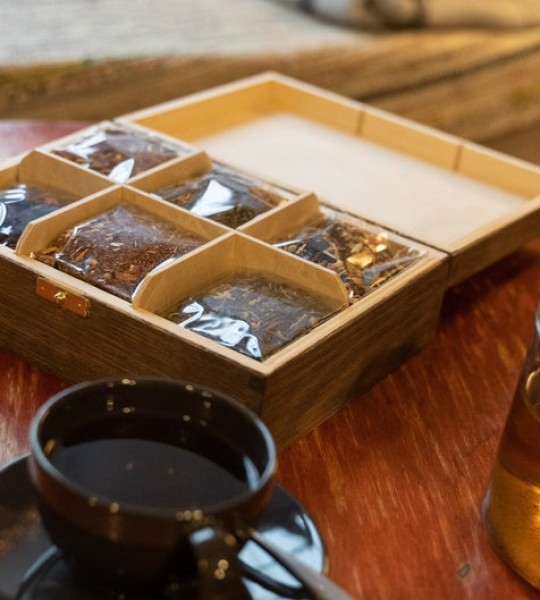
[120, 152]
[251, 314]
[23, 203]
[363, 256]
[117, 249]
[225, 195]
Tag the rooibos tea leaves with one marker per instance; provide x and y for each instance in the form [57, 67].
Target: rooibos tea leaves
[120, 152]
[224, 195]
[116, 249]
[253, 315]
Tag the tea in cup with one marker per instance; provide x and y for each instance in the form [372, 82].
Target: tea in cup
[145, 482]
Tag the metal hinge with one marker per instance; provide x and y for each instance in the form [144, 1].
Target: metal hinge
[80, 305]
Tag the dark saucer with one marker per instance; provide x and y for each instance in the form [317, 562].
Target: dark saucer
[25, 547]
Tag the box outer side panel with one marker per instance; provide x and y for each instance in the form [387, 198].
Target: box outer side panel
[293, 398]
[108, 343]
[316, 383]
[495, 243]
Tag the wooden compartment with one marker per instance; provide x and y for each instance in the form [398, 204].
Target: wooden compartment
[215, 187]
[97, 251]
[363, 255]
[115, 151]
[240, 256]
[35, 185]
[458, 206]
[37, 168]
[41, 231]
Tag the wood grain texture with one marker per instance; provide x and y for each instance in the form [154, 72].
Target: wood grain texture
[295, 389]
[395, 479]
[91, 60]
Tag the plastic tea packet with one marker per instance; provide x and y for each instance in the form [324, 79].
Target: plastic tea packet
[225, 195]
[251, 314]
[23, 203]
[361, 255]
[120, 152]
[115, 250]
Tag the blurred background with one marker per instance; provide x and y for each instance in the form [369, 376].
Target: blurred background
[470, 68]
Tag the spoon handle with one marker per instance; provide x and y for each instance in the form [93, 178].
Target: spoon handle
[318, 586]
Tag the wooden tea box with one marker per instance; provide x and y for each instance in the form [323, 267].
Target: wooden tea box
[299, 332]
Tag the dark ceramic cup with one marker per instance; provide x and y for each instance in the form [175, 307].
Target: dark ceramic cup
[143, 483]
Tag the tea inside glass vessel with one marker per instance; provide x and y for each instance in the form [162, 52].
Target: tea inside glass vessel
[511, 507]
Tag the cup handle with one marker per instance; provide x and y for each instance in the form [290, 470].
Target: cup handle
[219, 571]
[316, 585]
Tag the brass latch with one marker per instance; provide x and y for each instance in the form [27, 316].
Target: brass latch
[64, 299]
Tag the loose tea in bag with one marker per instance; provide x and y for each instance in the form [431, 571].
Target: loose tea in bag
[224, 195]
[115, 250]
[362, 256]
[253, 315]
[120, 152]
[23, 203]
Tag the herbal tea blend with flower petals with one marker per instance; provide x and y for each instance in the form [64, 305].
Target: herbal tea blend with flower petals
[23, 203]
[253, 315]
[120, 152]
[225, 195]
[115, 250]
[362, 257]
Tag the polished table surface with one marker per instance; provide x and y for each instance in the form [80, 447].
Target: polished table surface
[395, 480]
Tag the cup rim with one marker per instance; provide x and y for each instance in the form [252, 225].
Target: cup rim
[100, 501]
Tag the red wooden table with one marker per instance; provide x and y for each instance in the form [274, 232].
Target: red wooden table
[395, 480]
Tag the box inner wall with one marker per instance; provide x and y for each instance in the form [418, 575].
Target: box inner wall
[415, 198]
